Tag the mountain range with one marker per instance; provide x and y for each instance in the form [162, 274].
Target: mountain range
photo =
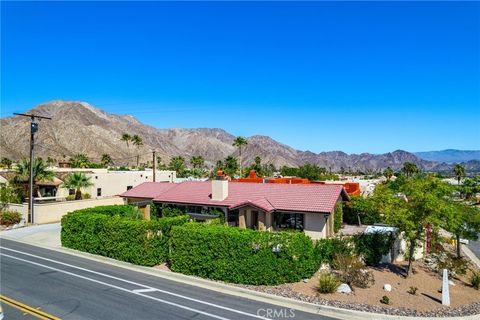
[78, 127]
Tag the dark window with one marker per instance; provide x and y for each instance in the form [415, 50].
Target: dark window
[71, 191]
[96, 177]
[99, 192]
[129, 187]
[289, 220]
[233, 218]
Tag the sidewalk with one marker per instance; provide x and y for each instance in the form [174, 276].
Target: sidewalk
[47, 235]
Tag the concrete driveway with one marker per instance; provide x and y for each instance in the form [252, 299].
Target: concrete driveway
[45, 234]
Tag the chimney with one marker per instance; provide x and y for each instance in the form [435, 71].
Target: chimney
[219, 187]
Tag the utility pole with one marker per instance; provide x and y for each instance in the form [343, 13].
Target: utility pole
[33, 130]
[154, 164]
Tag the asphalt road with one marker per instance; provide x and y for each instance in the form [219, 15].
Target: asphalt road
[71, 287]
[475, 246]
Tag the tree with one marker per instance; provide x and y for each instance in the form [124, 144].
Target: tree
[80, 160]
[239, 142]
[137, 141]
[50, 161]
[230, 165]
[459, 172]
[77, 181]
[160, 164]
[470, 187]
[5, 162]
[126, 137]
[463, 221]
[409, 168]
[418, 202]
[197, 162]
[388, 173]
[40, 173]
[178, 164]
[106, 159]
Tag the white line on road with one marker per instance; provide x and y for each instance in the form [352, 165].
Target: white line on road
[140, 285]
[144, 290]
[119, 288]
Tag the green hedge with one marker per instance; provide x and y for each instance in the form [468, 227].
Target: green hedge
[112, 210]
[241, 256]
[136, 241]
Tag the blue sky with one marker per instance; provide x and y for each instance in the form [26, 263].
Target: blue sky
[356, 77]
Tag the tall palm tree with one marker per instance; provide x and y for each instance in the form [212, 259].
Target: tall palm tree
[459, 172]
[239, 142]
[137, 141]
[409, 168]
[80, 160]
[126, 137]
[388, 173]
[77, 181]
[106, 159]
[40, 173]
[197, 161]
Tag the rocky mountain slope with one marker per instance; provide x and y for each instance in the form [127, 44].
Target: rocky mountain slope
[78, 127]
[450, 155]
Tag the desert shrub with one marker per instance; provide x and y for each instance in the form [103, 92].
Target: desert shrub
[327, 283]
[111, 234]
[412, 290]
[85, 195]
[352, 271]
[475, 280]
[327, 248]
[372, 247]
[455, 265]
[337, 216]
[242, 256]
[385, 300]
[9, 217]
[172, 212]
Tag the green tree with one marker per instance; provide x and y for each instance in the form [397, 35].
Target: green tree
[419, 201]
[178, 164]
[409, 169]
[40, 173]
[197, 162]
[126, 138]
[80, 160]
[388, 173]
[137, 141]
[230, 165]
[106, 160]
[160, 164]
[289, 171]
[6, 162]
[463, 221]
[459, 172]
[239, 142]
[470, 187]
[50, 161]
[77, 181]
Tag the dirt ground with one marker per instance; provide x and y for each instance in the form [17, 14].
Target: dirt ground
[427, 298]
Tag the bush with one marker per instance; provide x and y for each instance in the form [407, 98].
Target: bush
[475, 280]
[337, 217]
[242, 256]
[327, 248]
[172, 212]
[112, 210]
[385, 300]
[327, 283]
[85, 196]
[412, 290]
[455, 265]
[352, 271]
[372, 247]
[118, 236]
[9, 217]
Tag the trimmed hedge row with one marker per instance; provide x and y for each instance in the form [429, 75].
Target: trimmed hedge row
[112, 210]
[242, 256]
[109, 234]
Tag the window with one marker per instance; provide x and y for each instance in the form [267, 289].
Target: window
[289, 220]
[129, 187]
[99, 192]
[71, 192]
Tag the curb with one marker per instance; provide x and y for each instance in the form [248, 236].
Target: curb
[329, 311]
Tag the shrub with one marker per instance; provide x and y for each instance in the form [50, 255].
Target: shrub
[242, 256]
[327, 283]
[327, 248]
[337, 217]
[172, 212]
[112, 210]
[455, 265]
[385, 300]
[475, 280]
[372, 247]
[352, 271]
[85, 196]
[9, 217]
[412, 290]
[110, 234]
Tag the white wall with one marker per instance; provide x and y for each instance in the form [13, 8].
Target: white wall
[314, 225]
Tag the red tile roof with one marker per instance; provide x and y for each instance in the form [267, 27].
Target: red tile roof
[269, 197]
[148, 190]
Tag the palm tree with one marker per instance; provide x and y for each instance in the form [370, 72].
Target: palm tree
[388, 173]
[409, 168]
[230, 165]
[106, 159]
[177, 164]
[77, 181]
[239, 142]
[6, 162]
[80, 160]
[197, 162]
[40, 173]
[126, 137]
[137, 141]
[459, 172]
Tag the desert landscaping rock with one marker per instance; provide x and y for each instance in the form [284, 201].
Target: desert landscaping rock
[344, 288]
[387, 287]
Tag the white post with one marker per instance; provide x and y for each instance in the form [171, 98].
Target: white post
[445, 293]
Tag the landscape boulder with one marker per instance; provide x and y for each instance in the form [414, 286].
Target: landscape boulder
[344, 288]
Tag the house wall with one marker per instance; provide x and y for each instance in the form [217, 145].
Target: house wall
[114, 183]
[54, 211]
[315, 224]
